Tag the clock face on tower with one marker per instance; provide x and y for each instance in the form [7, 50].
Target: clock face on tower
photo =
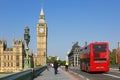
[41, 30]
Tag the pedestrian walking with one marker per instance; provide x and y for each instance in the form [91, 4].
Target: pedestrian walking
[66, 66]
[55, 67]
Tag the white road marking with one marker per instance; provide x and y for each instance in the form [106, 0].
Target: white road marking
[81, 76]
[115, 71]
[87, 79]
[78, 74]
[112, 75]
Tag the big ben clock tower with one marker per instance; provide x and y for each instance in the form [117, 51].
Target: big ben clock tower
[41, 40]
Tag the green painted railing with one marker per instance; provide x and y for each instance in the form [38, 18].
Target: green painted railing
[29, 74]
[38, 70]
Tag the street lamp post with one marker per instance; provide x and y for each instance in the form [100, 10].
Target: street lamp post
[27, 40]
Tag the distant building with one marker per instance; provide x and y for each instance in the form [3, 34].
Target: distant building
[12, 59]
[117, 55]
[55, 57]
[73, 56]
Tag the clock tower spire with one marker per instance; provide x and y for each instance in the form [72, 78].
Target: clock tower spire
[42, 17]
[41, 39]
[42, 14]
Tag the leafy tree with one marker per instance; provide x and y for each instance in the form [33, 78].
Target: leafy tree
[112, 56]
[112, 60]
[51, 60]
[60, 62]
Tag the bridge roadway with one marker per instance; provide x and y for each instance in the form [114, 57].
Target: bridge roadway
[113, 74]
[62, 75]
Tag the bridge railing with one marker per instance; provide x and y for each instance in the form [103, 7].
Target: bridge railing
[25, 75]
[38, 70]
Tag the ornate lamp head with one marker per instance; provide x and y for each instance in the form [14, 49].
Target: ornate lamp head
[27, 36]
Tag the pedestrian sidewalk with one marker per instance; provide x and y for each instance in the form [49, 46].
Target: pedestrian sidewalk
[49, 75]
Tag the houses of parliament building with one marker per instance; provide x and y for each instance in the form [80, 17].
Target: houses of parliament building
[12, 59]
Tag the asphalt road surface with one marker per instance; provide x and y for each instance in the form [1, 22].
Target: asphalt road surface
[113, 74]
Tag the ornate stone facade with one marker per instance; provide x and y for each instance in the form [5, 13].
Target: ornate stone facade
[73, 56]
[117, 55]
[41, 40]
[12, 59]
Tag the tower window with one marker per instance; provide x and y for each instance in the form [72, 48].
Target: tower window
[4, 57]
[4, 64]
[41, 24]
[11, 64]
[11, 57]
[17, 57]
[17, 64]
[8, 64]
[8, 57]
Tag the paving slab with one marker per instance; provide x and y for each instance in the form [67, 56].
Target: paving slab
[49, 75]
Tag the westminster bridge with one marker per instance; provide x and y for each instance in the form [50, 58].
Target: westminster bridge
[74, 73]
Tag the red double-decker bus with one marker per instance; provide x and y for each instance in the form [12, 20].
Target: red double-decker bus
[95, 57]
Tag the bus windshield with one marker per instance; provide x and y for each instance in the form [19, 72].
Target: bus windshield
[99, 47]
[99, 51]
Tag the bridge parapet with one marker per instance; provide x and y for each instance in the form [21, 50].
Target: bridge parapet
[28, 74]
